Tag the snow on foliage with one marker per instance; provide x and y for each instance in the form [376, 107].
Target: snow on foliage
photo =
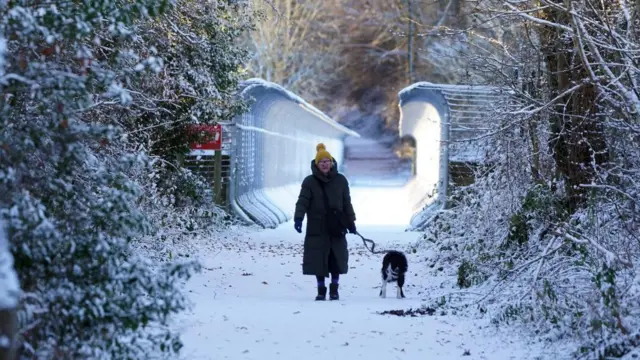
[525, 258]
[95, 101]
[249, 84]
[547, 235]
[9, 286]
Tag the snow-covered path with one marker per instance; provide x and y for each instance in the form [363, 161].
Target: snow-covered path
[251, 301]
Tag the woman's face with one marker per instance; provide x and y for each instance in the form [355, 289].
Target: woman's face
[324, 165]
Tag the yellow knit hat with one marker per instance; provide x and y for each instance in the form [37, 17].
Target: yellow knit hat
[322, 153]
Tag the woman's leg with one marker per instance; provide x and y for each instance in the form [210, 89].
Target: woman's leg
[335, 276]
[333, 265]
[322, 289]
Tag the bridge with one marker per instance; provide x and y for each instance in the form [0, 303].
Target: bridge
[266, 151]
[265, 154]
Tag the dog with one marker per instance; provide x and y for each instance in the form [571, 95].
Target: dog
[394, 268]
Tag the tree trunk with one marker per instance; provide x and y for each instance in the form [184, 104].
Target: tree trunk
[576, 140]
[8, 329]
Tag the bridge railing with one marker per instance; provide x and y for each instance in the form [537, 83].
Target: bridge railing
[271, 148]
[447, 124]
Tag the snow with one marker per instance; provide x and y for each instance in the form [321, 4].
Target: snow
[5, 342]
[255, 82]
[371, 162]
[266, 127]
[9, 285]
[282, 197]
[3, 53]
[252, 302]
[455, 87]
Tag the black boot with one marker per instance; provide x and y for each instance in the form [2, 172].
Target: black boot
[322, 293]
[333, 292]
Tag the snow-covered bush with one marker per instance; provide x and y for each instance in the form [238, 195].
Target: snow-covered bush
[9, 286]
[9, 295]
[202, 66]
[94, 101]
[548, 233]
[181, 208]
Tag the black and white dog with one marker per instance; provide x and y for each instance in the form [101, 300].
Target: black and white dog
[394, 267]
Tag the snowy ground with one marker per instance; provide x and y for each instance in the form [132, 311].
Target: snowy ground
[251, 301]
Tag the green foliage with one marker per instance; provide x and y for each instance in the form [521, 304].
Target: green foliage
[548, 292]
[83, 96]
[618, 348]
[605, 281]
[203, 66]
[512, 313]
[518, 231]
[539, 205]
[468, 274]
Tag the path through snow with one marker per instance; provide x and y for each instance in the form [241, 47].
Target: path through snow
[251, 301]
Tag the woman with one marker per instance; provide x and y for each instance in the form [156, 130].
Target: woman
[326, 201]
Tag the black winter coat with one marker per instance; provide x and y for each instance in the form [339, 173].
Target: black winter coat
[317, 242]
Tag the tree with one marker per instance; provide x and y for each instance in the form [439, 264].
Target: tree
[203, 64]
[70, 202]
[560, 181]
[295, 44]
[9, 287]
[9, 294]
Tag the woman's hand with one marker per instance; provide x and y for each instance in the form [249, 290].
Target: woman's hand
[297, 224]
[352, 228]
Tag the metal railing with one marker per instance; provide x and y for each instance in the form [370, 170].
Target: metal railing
[447, 123]
[271, 148]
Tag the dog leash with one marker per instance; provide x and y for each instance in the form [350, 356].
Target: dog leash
[373, 245]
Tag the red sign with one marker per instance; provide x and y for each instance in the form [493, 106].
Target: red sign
[214, 131]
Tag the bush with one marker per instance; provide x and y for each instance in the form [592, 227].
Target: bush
[86, 117]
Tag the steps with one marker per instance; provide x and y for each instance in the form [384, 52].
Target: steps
[369, 162]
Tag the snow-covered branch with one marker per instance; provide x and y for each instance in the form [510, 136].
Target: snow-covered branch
[91, 130]
[549, 233]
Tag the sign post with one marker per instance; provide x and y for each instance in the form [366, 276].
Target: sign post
[215, 146]
[217, 175]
